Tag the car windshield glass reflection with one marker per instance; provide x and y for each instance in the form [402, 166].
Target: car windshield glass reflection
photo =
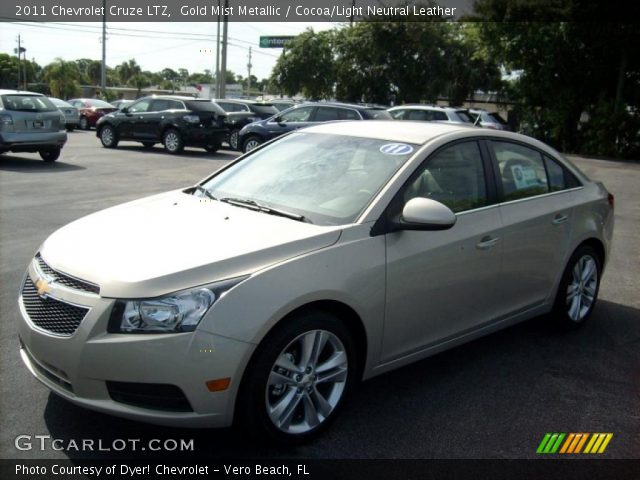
[328, 179]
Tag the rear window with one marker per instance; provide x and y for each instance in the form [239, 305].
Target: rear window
[27, 103]
[99, 104]
[204, 106]
[377, 114]
[60, 103]
[265, 109]
[464, 116]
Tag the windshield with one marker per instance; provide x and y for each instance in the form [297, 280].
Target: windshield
[328, 179]
[27, 103]
[99, 103]
[59, 103]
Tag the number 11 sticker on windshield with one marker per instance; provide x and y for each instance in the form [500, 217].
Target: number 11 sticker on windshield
[396, 149]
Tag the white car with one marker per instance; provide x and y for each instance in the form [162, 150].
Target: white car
[334, 254]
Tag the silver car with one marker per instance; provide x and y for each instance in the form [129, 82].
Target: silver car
[262, 294]
[71, 114]
[29, 122]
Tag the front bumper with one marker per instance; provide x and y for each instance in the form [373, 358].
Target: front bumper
[79, 366]
[32, 141]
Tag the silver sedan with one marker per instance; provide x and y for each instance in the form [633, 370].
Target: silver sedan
[262, 294]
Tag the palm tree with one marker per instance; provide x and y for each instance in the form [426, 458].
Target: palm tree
[63, 78]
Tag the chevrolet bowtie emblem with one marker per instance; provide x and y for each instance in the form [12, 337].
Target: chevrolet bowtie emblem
[43, 287]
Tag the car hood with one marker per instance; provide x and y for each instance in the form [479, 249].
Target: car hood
[173, 241]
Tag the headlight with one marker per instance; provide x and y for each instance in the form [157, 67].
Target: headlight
[178, 312]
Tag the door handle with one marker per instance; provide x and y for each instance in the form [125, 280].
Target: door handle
[559, 219]
[487, 242]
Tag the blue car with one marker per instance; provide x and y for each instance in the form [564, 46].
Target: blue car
[305, 115]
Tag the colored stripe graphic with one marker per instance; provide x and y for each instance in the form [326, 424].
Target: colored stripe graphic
[555, 443]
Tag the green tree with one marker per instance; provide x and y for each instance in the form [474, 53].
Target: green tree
[307, 66]
[127, 70]
[63, 78]
[566, 67]
[140, 80]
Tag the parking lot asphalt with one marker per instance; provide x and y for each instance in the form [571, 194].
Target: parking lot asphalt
[492, 398]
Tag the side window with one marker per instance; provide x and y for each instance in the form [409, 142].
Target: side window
[175, 105]
[325, 114]
[521, 170]
[139, 107]
[454, 176]
[297, 115]
[422, 115]
[159, 106]
[439, 116]
[348, 114]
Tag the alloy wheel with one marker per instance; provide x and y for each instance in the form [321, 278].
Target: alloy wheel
[582, 288]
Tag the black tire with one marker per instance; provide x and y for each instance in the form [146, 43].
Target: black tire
[109, 136]
[172, 141]
[255, 393]
[213, 148]
[251, 142]
[233, 139]
[84, 123]
[148, 145]
[50, 155]
[572, 307]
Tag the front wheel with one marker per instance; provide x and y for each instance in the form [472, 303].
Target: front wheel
[251, 143]
[578, 290]
[298, 378]
[50, 155]
[108, 137]
[172, 141]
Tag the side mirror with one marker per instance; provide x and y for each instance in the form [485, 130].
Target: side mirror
[124, 109]
[425, 214]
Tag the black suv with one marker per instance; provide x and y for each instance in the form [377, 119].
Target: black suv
[172, 120]
[305, 115]
[241, 113]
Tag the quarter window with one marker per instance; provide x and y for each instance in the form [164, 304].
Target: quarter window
[521, 169]
[453, 176]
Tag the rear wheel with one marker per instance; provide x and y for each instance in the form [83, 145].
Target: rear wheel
[172, 141]
[251, 143]
[298, 378]
[233, 139]
[108, 137]
[578, 290]
[84, 123]
[50, 155]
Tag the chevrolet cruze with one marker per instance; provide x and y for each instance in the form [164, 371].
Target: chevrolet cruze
[263, 293]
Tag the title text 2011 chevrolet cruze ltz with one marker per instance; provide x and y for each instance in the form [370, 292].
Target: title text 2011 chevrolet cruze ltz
[262, 294]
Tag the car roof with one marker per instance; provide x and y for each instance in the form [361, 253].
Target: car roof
[419, 106]
[21, 92]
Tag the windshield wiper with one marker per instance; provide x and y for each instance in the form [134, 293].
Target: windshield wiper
[200, 188]
[258, 207]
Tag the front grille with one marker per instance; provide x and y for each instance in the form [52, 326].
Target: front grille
[50, 314]
[155, 396]
[64, 279]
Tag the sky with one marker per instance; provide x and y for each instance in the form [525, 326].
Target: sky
[154, 46]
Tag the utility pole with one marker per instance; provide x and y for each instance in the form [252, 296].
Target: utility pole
[218, 56]
[19, 52]
[24, 68]
[225, 36]
[249, 77]
[103, 70]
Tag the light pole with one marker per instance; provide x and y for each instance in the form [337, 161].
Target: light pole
[103, 70]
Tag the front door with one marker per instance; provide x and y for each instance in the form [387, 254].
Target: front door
[441, 284]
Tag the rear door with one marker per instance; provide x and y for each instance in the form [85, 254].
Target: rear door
[441, 284]
[537, 214]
